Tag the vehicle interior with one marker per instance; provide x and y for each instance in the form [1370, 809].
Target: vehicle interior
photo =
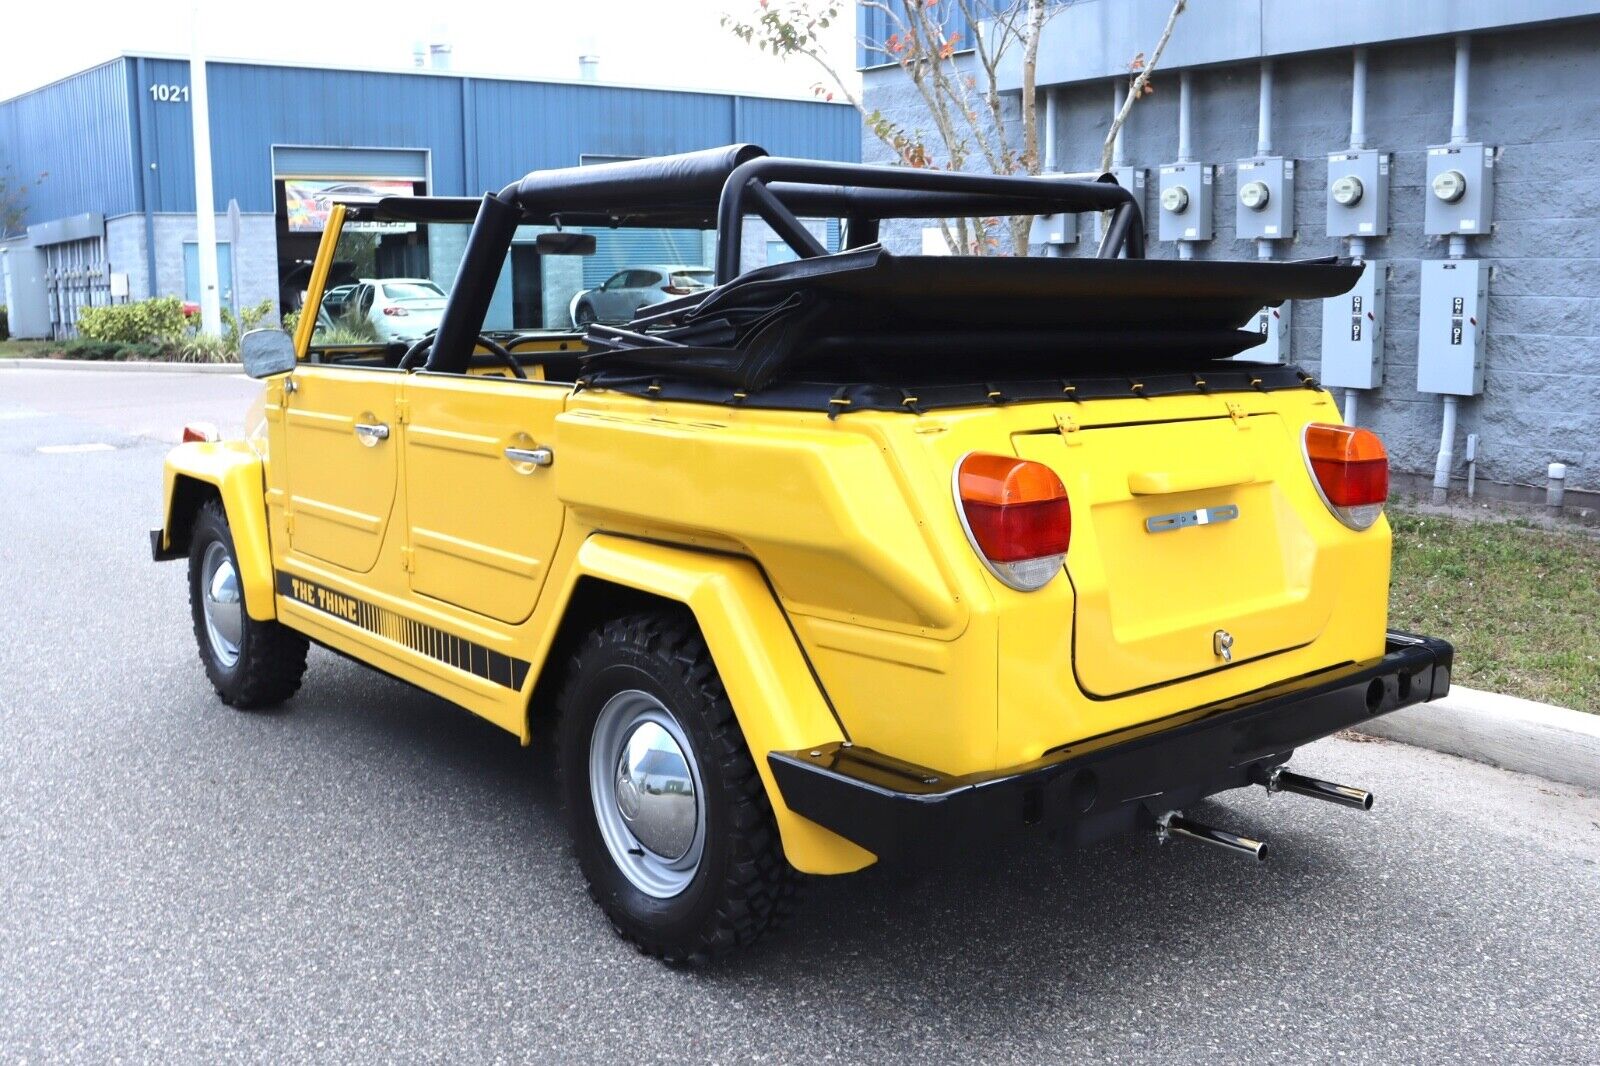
[880, 329]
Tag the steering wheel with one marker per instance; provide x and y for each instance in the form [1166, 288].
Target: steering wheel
[418, 353]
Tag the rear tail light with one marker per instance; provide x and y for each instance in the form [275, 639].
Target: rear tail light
[200, 431]
[676, 290]
[1017, 517]
[1351, 471]
[396, 312]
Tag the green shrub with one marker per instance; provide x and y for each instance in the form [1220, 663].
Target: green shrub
[249, 319]
[96, 351]
[5, 324]
[160, 319]
[204, 349]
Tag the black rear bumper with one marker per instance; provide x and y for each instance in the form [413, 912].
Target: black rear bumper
[1114, 783]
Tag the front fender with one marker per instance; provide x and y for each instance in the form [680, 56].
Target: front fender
[233, 472]
[775, 697]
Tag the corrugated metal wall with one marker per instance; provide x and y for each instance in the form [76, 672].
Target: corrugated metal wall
[78, 133]
[98, 132]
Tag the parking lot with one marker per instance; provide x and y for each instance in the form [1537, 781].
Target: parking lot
[370, 874]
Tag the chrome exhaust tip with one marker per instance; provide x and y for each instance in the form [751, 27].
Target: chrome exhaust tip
[1279, 779]
[1173, 826]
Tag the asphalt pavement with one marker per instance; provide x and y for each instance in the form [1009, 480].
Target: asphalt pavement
[370, 874]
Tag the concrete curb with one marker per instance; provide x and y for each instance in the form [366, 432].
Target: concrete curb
[1513, 734]
[113, 366]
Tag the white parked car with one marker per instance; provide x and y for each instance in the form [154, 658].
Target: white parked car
[626, 291]
[398, 309]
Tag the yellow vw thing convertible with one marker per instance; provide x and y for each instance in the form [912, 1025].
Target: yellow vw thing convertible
[840, 559]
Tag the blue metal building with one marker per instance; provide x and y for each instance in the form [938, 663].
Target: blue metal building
[106, 156]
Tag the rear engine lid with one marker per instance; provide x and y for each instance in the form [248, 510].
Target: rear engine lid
[1188, 552]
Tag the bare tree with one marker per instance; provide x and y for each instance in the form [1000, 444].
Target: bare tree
[14, 202]
[957, 82]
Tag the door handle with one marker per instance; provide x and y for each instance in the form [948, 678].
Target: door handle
[531, 456]
[372, 432]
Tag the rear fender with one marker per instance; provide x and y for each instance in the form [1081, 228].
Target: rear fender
[775, 697]
[231, 472]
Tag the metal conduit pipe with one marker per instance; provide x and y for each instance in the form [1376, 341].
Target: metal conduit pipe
[1264, 138]
[1458, 104]
[1458, 250]
[1048, 164]
[1118, 157]
[1358, 141]
[1185, 248]
[1358, 101]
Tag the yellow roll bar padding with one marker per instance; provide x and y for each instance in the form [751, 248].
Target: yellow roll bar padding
[319, 279]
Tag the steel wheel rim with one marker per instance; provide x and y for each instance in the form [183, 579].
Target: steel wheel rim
[221, 604]
[631, 723]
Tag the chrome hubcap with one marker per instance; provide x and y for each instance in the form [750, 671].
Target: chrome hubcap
[223, 608]
[646, 790]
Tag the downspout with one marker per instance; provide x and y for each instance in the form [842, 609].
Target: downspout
[1358, 141]
[1458, 250]
[147, 180]
[1185, 248]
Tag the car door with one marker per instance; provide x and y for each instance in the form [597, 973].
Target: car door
[642, 286]
[482, 517]
[607, 298]
[340, 462]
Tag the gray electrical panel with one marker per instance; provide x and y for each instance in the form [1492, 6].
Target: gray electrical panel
[1358, 193]
[1352, 332]
[1455, 305]
[1057, 229]
[1459, 190]
[1264, 200]
[1273, 323]
[1186, 201]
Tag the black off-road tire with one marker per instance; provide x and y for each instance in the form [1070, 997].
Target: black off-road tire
[743, 885]
[272, 657]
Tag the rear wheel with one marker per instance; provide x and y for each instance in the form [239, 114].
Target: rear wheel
[251, 664]
[669, 819]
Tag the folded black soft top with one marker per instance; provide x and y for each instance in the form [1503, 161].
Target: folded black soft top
[868, 316]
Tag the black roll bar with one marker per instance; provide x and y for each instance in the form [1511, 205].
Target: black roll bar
[767, 185]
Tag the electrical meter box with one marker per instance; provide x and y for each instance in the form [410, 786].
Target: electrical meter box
[1274, 324]
[1264, 202]
[1058, 229]
[1358, 193]
[1130, 178]
[1459, 190]
[1186, 201]
[1455, 305]
[1352, 332]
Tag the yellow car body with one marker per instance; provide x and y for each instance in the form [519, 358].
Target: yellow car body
[822, 556]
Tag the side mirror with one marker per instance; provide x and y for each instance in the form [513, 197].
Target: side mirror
[265, 352]
[564, 243]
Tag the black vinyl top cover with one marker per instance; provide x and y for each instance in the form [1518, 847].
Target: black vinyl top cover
[867, 317]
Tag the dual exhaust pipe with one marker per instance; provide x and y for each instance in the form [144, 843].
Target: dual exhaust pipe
[1174, 826]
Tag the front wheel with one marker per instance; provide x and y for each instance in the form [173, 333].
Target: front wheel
[669, 819]
[251, 664]
[583, 316]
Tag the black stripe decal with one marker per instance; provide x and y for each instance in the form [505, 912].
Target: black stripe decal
[435, 643]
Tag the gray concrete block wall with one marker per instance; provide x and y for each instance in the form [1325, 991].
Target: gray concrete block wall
[1532, 96]
[255, 264]
[125, 253]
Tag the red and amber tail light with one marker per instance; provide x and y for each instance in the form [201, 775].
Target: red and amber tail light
[1350, 469]
[1017, 517]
